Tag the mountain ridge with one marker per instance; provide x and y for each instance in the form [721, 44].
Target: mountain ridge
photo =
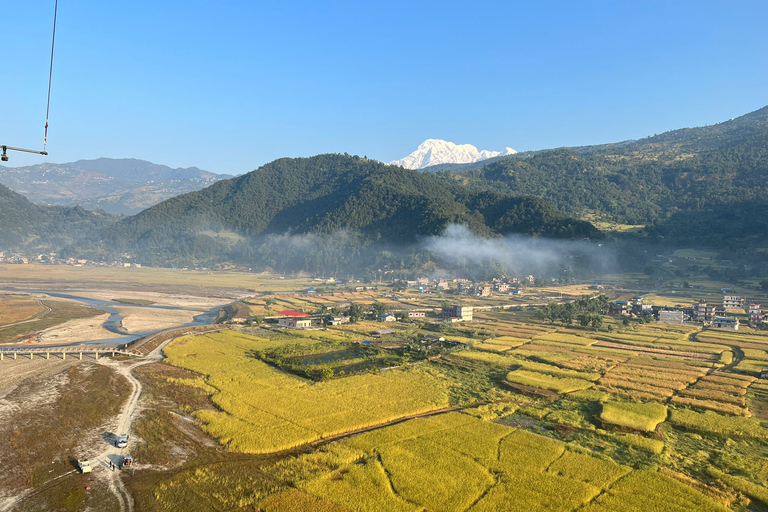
[119, 186]
[321, 196]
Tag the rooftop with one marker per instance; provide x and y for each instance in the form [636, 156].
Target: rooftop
[292, 313]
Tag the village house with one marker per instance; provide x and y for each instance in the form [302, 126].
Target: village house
[458, 313]
[465, 287]
[756, 315]
[387, 318]
[726, 323]
[501, 287]
[442, 284]
[733, 302]
[294, 319]
[673, 316]
[704, 312]
[417, 314]
[483, 291]
[338, 320]
[295, 323]
[620, 307]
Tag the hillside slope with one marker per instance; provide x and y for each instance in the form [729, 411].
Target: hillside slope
[322, 196]
[28, 227]
[711, 169]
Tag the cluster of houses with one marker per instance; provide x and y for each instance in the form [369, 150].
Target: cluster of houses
[712, 315]
[52, 258]
[298, 320]
[498, 285]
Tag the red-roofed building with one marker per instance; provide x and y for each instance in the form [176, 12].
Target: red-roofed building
[294, 319]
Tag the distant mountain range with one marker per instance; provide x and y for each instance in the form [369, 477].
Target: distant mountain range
[704, 186]
[435, 152]
[121, 186]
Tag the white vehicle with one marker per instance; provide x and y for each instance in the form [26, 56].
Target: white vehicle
[84, 465]
[121, 441]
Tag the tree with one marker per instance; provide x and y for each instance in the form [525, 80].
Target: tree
[597, 321]
[379, 308]
[355, 312]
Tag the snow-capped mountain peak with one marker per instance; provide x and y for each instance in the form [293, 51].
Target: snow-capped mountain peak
[436, 151]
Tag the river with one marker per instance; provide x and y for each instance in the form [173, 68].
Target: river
[113, 323]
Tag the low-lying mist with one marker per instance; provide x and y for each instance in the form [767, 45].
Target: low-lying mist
[459, 249]
[457, 252]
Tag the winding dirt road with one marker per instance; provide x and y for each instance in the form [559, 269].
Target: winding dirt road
[111, 457]
[105, 464]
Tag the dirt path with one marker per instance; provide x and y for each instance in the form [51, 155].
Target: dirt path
[113, 456]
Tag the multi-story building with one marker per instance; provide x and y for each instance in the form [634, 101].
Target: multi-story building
[483, 291]
[704, 312]
[458, 313]
[757, 316]
[733, 302]
[674, 316]
[501, 287]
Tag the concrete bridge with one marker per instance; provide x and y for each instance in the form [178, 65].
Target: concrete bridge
[76, 352]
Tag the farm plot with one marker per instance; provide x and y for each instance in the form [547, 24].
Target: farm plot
[501, 344]
[634, 415]
[714, 423]
[647, 491]
[649, 379]
[454, 462]
[569, 339]
[721, 388]
[720, 391]
[547, 382]
[261, 409]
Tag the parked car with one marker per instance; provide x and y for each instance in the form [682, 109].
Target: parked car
[84, 466]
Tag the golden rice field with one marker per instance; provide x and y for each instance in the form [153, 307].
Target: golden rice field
[454, 462]
[260, 409]
[635, 415]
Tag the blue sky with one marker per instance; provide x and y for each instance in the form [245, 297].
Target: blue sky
[230, 85]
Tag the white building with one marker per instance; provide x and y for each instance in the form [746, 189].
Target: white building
[671, 317]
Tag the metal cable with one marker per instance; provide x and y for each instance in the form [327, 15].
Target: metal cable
[50, 74]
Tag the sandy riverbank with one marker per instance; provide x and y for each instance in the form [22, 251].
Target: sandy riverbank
[74, 331]
[154, 319]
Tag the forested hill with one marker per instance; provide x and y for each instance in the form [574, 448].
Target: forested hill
[321, 195]
[712, 171]
[25, 226]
